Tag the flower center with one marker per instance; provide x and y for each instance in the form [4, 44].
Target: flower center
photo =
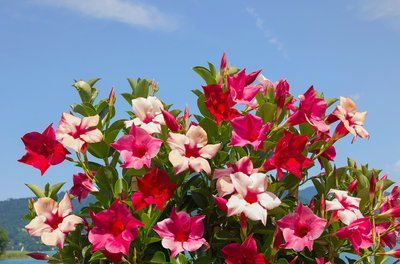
[301, 231]
[192, 151]
[54, 221]
[251, 197]
[140, 151]
[181, 236]
[117, 228]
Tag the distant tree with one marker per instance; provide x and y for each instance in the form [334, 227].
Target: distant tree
[3, 241]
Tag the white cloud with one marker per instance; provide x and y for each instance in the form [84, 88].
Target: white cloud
[132, 12]
[273, 40]
[375, 10]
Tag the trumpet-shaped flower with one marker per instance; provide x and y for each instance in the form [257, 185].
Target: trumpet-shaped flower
[288, 155]
[76, 133]
[148, 113]
[251, 197]
[244, 253]
[191, 150]
[392, 200]
[43, 150]
[240, 89]
[311, 110]
[114, 229]
[154, 188]
[358, 232]
[219, 103]
[350, 120]
[137, 148]
[83, 185]
[224, 182]
[345, 206]
[181, 232]
[53, 221]
[249, 130]
[301, 228]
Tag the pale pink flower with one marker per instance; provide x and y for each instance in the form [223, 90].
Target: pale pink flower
[76, 132]
[249, 130]
[181, 232]
[137, 148]
[83, 185]
[251, 197]
[358, 232]
[350, 120]
[191, 150]
[301, 228]
[224, 182]
[53, 221]
[345, 206]
[148, 113]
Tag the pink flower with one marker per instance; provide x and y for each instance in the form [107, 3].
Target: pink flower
[281, 92]
[249, 130]
[288, 156]
[244, 253]
[350, 120]
[301, 228]
[311, 110]
[181, 232]
[240, 89]
[191, 150]
[76, 133]
[345, 206]
[224, 182]
[148, 113]
[358, 232]
[114, 229]
[154, 188]
[43, 150]
[137, 148]
[392, 200]
[251, 197]
[53, 221]
[388, 239]
[82, 186]
[322, 261]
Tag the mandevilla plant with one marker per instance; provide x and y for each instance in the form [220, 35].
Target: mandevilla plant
[221, 186]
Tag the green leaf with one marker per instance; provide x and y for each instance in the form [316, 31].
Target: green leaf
[84, 89]
[96, 257]
[205, 74]
[54, 190]
[46, 189]
[93, 81]
[159, 257]
[120, 186]
[132, 84]
[318, 186]
[100, 149]
[181, 259]
[202, 106]
[106, 177]
[36, 190]
[141, 89]
[267, 112]
[213, 71]
[203, 260]
[330, 101]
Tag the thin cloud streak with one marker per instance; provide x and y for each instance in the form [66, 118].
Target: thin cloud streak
[273, 40]
[132, 13]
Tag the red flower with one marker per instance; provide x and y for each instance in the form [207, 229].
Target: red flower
[243, 253]
[311, 110]
[219, 103]
[43, 150]
[82, 186]
[288, 155]
[154, 188]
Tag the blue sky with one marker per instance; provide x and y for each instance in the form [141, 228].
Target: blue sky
[348, 48]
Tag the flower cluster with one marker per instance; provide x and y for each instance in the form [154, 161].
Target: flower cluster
[223, 185]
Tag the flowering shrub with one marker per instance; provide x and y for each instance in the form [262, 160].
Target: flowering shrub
[221, 185]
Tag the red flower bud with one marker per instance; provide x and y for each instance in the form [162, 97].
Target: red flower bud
[352, 186]
[38, 256]
[170, 121]
[372, 185]
[223, 61]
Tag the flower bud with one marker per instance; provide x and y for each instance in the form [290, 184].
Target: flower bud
[38, 256]
[352, 186]
[170, 121]
[111, 97]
